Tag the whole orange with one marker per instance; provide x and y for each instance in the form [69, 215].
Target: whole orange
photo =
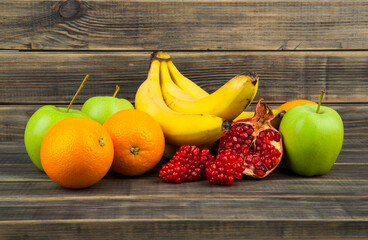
[77, 152]
[138, 139]
[289, 105]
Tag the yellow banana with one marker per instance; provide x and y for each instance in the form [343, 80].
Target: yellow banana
[180, 80]
[169, 88]
[179, 128]
[226, 102]
[184, 83]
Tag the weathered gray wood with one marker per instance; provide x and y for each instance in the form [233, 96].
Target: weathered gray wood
[54, 77]
[183, 25]
[184, 229]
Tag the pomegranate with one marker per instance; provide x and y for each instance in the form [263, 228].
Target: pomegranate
[187, 165]
[256, 140]
[227, 166]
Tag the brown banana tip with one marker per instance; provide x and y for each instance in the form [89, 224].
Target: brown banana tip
[251, 74]
[226, 125]
[155, 57]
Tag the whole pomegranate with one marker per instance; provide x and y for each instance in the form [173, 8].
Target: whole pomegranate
[256, 140]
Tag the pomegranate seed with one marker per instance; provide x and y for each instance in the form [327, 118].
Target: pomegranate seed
[224, 168]
[256, 141]
[259, 173]
[188, 164]
[277, 137]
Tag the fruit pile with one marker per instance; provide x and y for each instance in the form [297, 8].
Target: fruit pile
[205, 136]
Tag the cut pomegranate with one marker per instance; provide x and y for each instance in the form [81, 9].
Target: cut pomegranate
[256, 140]
[227, 166]
[187, 165]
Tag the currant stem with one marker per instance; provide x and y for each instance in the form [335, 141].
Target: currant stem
[76, 94]
[320, 100]
[116, 91]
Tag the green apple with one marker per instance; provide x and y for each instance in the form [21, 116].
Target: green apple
[313, 137]
[42, 120]
[100, 108]
[38, 125]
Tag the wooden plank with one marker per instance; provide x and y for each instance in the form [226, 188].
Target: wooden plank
[54, 77]
[13, 119]
[213, 208]
[183, 25]
[23, 181]
[184, 229]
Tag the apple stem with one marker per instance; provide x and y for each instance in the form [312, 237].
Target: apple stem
[116, 91]
[320, 99]
[76, 94]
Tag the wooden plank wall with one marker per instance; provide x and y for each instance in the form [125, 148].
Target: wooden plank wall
[184, 25]
[297, 47]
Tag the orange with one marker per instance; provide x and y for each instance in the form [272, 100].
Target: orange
[289, 105]
[77, 152]
[138, 139]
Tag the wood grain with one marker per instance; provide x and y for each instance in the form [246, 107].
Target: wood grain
[345, 181]
[184, 25]
[184, 229]
[54, 77]
[214, 208]
[60, 41]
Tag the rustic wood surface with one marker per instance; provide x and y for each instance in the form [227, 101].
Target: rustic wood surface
[184, 25]
[297, 47]
[333, 206]
[54, 77]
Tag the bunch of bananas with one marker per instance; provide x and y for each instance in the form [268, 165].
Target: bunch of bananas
[187, 113]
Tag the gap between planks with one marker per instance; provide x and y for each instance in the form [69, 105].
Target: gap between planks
[174, 220]
[186, 196]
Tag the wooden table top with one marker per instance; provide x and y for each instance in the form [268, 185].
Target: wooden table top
[297, 47]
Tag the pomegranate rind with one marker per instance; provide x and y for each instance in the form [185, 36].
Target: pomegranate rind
[261, 121]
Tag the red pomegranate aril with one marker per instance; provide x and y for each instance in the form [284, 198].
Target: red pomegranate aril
[188, 164]
[224, 168]
[259, 173]
[257, 141]
[277, 137]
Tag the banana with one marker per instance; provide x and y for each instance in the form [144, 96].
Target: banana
[226, 102]
[179, 129]
[244, 115]
[169, 88]
[184, 83]
[180, 80]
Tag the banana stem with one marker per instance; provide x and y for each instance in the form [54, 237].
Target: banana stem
[76, 94]
[116, 91]
[320, 99]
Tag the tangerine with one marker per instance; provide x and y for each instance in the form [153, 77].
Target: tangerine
[289, 105]
[77, 152]
[138, 139]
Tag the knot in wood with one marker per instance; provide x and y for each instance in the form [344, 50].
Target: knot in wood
[70, 9]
